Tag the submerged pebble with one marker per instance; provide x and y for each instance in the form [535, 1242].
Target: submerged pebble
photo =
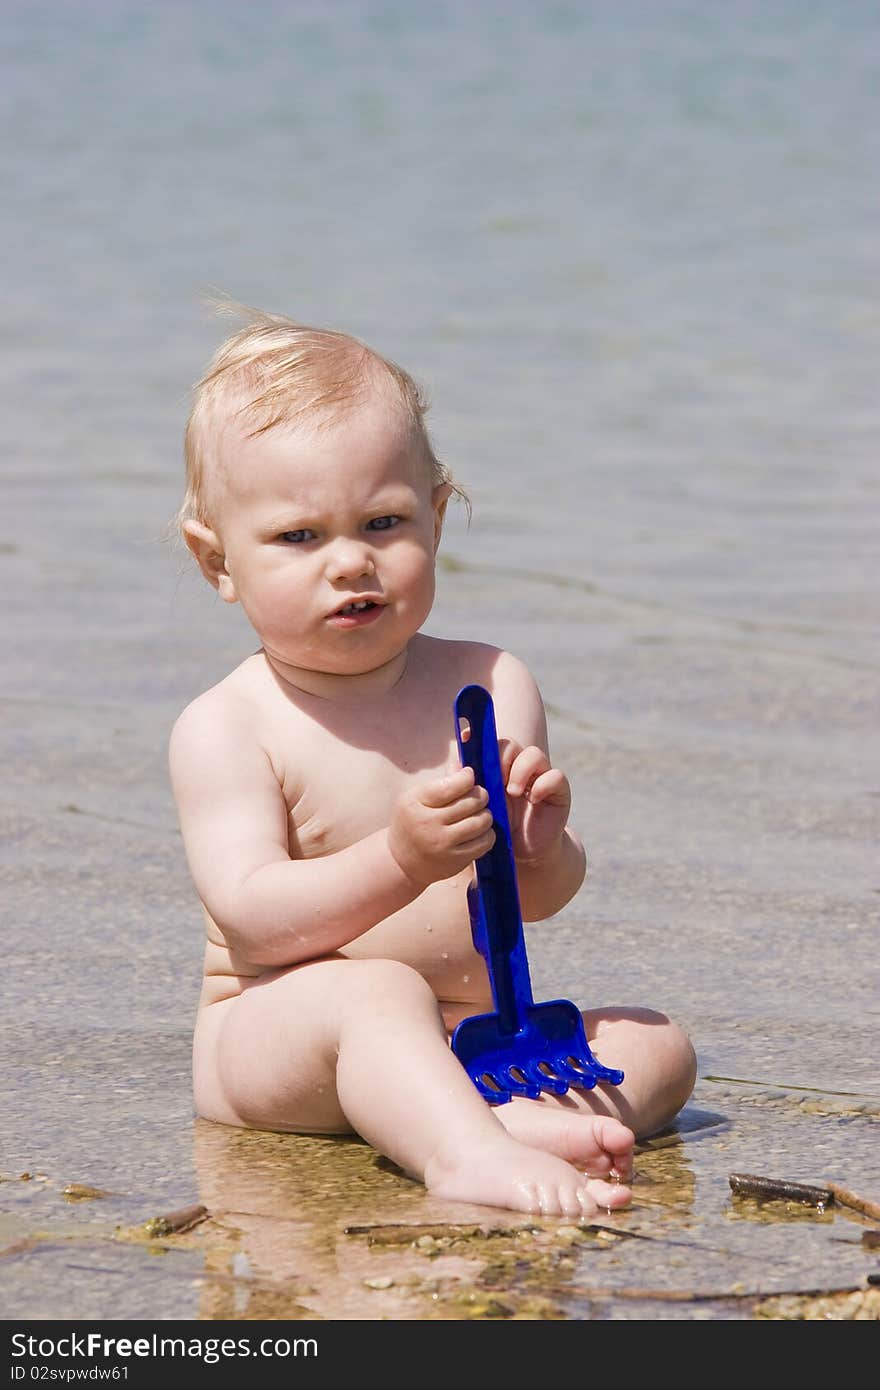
[81, 1192]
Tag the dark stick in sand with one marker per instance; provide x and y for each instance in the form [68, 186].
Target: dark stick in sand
[779, 1189]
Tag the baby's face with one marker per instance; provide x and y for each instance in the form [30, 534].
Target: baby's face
[329, 540]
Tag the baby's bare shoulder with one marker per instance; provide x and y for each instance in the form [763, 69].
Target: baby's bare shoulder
[480, 663]
[227, 713]
[519, 709]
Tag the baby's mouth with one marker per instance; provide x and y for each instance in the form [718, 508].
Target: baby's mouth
[359, 607]
[358, 612]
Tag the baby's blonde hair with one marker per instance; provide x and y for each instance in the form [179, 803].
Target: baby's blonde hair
[275, 371]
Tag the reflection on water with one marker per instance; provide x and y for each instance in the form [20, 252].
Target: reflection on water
[308, 1227]
[280, 1206]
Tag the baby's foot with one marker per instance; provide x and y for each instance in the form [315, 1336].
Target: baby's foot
[597, 1144]
[520, 1177]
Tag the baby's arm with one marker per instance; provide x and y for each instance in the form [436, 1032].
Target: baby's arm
[277, 911]
[550, 859]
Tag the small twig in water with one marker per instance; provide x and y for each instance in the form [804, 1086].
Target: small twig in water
[696, 1295]
[176, 1222]
[852, 1199]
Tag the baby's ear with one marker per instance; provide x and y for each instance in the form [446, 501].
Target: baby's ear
[207, 548]
[439, 499]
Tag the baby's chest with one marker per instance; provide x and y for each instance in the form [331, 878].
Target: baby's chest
[338, 794]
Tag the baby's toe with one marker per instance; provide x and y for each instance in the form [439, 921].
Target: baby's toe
[609, 1194]
[602, 1166]
[614, 1136]
[586, 1204]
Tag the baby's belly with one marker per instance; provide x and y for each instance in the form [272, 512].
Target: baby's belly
[432, 935]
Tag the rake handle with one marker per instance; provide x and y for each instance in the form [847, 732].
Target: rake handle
[496, 917]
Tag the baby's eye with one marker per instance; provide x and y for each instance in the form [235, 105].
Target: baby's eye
[297, 537]
[382, 523]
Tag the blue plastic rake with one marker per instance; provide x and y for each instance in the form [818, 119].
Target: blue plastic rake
[523, 1048]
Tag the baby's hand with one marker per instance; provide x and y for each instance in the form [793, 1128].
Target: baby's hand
[538, 801]
[439, 827]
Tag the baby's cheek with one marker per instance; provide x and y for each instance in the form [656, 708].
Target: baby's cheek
[275, 614]
[417, 580]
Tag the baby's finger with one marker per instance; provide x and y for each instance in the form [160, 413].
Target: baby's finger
[528, 765]
[474, 847]
[550, 786]
[442, 791]
[472, 803]
[508, 751]
[469, 827]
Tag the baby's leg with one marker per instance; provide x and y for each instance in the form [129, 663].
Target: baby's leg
[360, 1044]
[595, 1129]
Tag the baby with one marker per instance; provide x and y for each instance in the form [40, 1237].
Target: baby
[329, 827]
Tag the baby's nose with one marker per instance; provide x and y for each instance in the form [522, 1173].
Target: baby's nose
[349, 560]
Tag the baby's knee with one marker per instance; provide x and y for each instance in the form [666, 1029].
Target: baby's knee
[389, 982]
[680, 1062]
[675, 1068]
[672, 1048]
[655, 1046]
